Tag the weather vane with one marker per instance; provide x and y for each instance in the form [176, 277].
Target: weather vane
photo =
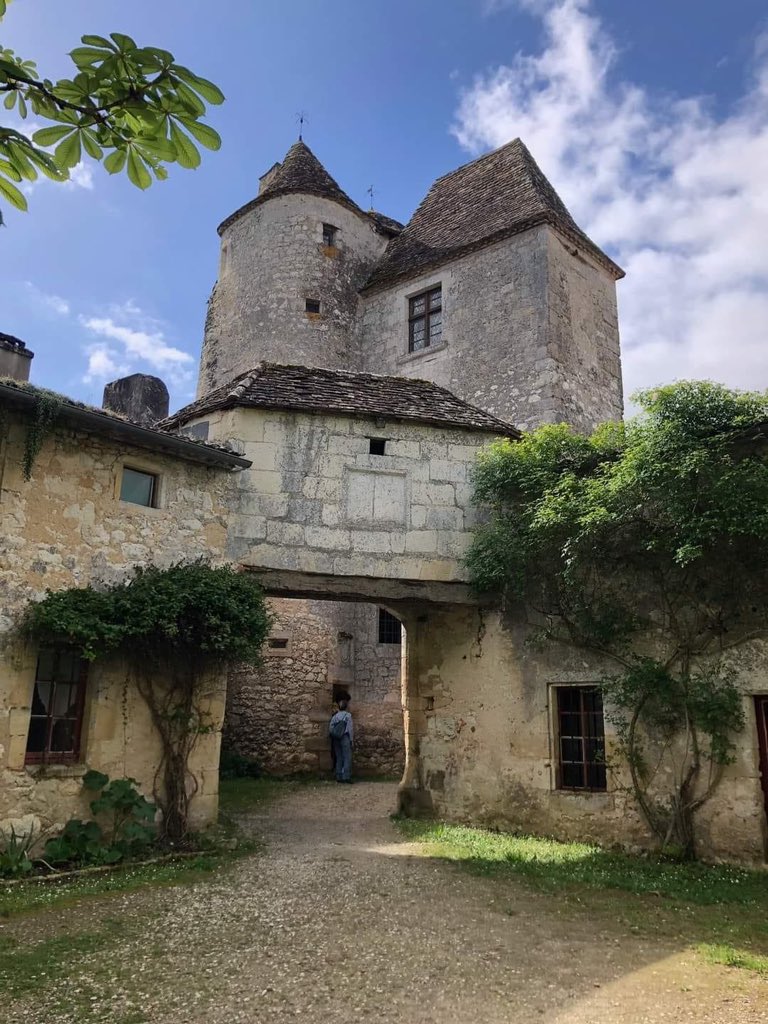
[370, 193]
[302, 118]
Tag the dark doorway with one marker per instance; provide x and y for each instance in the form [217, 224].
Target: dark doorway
[761, 712]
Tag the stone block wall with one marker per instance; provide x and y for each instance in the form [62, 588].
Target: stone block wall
[67, 527]
[317, 501]
[530, 332]
[272, 260]
[278, 715]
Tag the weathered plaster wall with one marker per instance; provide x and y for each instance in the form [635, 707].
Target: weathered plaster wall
[272, 260]
[278, 714]
[480, 740]
[316, 501]
[67, 527]
[530, 332]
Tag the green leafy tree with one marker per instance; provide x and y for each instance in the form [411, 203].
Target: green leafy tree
[130, 107]
[173, 627]
[648, 544]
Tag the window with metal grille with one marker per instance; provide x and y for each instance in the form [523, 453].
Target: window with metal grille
[329, 235]
[138, 487]
[425, 319]
[580, 738]
[58, 700]
[390, 628]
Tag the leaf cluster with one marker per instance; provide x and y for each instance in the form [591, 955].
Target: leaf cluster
[129, 833]
[190, 613]
[130, 107]
[660, 524]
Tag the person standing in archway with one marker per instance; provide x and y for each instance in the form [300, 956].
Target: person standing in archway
[342, 732]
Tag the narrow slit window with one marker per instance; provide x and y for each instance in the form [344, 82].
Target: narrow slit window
[278, 643]
[329, 235]
[377, 446]
[312, 305]
[425, 319]
[580, 738]
[138, 488]
[58, 699]
[390, 628]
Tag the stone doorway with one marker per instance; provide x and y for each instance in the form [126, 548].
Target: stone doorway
[319, 652]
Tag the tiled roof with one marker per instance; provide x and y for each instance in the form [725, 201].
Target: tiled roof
[388, 225]
[301, 172]
[311, 389]
[21, 394]
[500, 194]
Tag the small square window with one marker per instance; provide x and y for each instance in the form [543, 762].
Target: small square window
[278, 643]
[390, 628]
[138, 488]
[377, 446]
[312, 305]
[329, 235]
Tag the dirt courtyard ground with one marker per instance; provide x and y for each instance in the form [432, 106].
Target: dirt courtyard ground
[341, 919]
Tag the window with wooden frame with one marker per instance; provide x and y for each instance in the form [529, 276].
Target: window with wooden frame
[58, 700]
[138, 487]
[580, 738]
[390, 628]
[329, 235]
[425, 319]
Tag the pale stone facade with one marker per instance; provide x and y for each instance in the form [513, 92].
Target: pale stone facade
[68, 527]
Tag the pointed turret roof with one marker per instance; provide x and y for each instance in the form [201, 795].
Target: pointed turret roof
[499, 194]
[300, 172]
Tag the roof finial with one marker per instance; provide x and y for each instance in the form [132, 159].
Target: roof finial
[370, 193]
[302, 118]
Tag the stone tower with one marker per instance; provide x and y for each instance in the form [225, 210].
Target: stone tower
[292, 262]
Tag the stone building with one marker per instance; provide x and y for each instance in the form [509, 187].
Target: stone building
[351, 371]
[104, 495]
[491, 290]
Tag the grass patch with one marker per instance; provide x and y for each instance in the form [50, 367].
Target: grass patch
[731, 957]
[553, 865]
[722, 909]
[26, 969]
[21, 899]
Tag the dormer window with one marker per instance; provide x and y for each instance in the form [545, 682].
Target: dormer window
[329, 235]
[425, 319]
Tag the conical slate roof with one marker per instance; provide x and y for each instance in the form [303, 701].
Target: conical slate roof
[500, 194]
[300, 172]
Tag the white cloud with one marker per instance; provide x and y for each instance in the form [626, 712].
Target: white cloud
[81, 176]
[677, 194]
[141, 345]
[54, 303]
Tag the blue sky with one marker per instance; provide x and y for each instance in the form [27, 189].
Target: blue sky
[651, 120]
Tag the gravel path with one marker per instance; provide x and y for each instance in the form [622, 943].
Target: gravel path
[342, 921]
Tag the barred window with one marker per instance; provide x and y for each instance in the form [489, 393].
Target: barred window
[58, 700]
[580, 738]
[390, 628]
[425, 319]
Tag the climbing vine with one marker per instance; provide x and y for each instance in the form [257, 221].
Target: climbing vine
[175, 628]
[47, 407]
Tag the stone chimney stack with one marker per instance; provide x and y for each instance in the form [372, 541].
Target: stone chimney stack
[15, 358]
[141, 398]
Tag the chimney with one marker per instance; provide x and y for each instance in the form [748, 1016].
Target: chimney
[140, 398]
[266, 179]
[15, 358]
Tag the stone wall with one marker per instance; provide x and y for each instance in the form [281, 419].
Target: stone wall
[278, 715]
[316, 501]
[272, 260]
[67, 527]
[481, 740]
[530, 332]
